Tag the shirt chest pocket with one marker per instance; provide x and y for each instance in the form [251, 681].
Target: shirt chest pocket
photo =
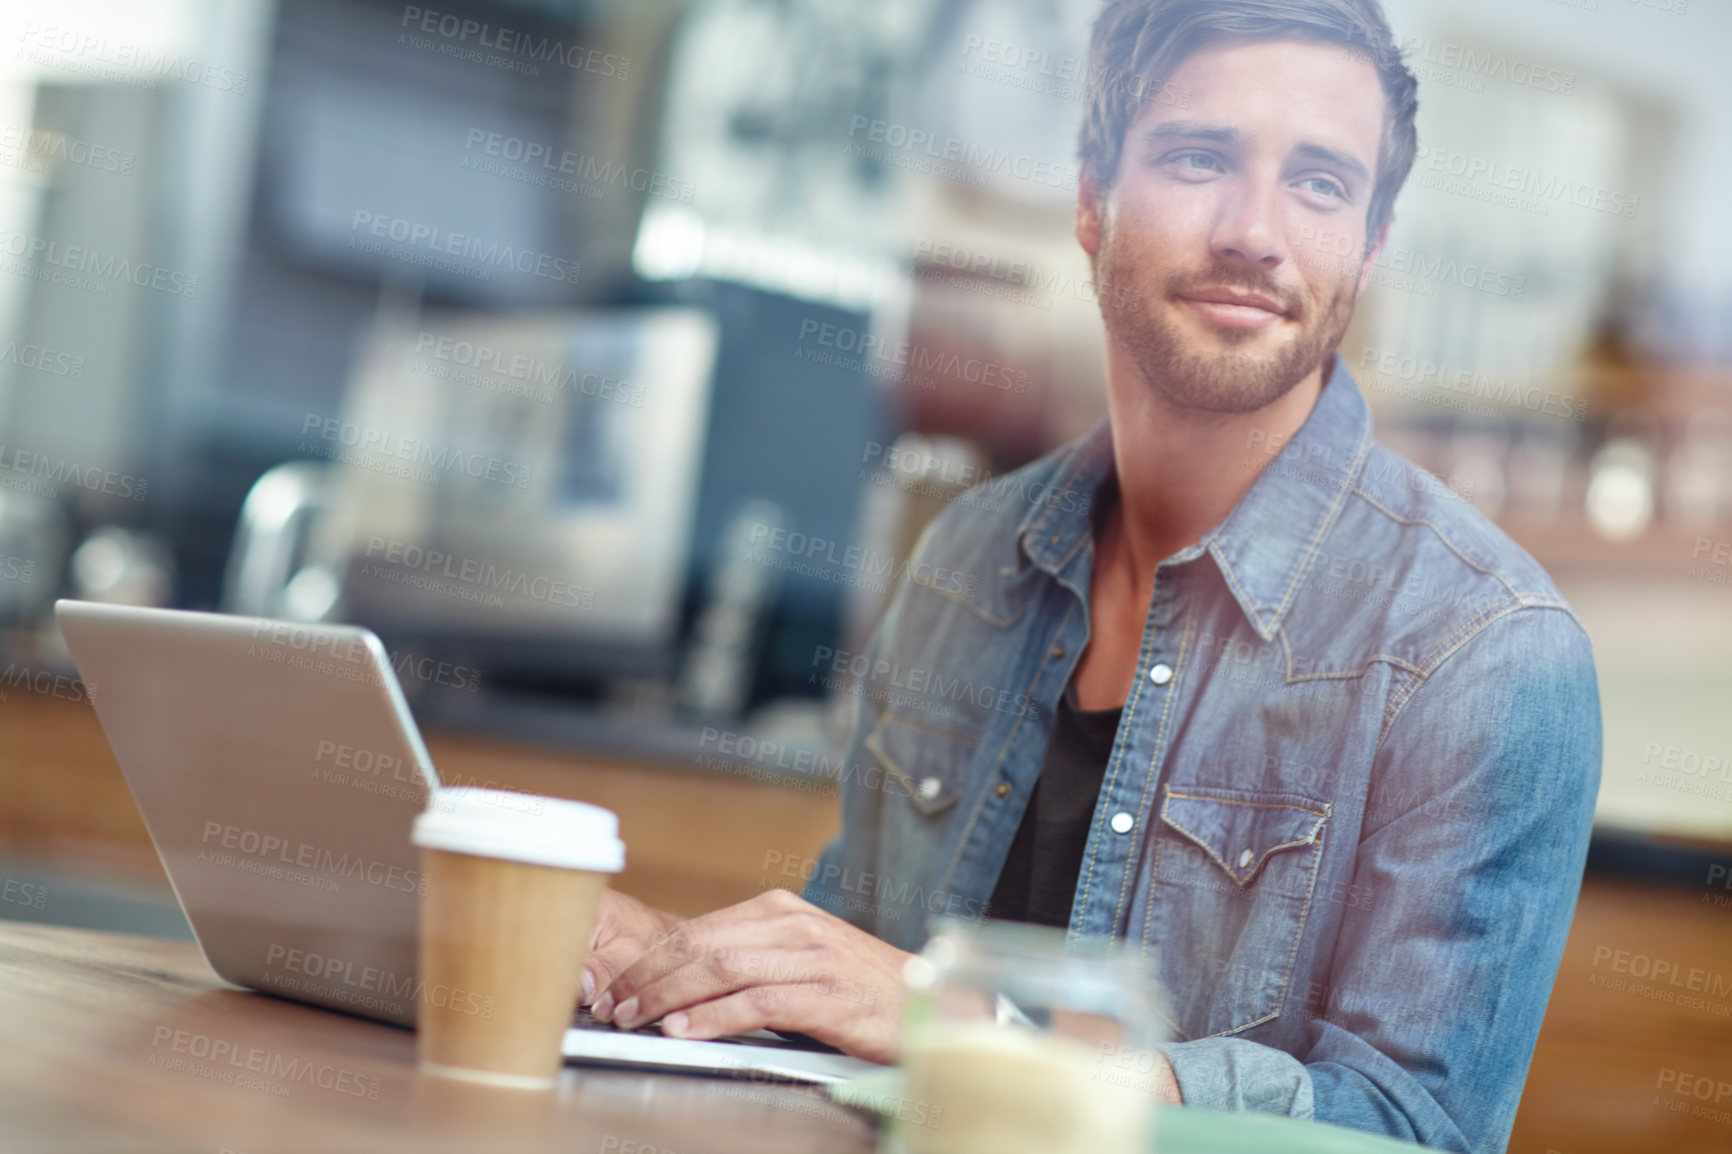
[922, 771]
[925, 763]
[1234, 872]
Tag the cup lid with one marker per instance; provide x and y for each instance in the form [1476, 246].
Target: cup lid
[525, 827]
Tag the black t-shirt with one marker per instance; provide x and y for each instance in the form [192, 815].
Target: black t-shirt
[1039, 877]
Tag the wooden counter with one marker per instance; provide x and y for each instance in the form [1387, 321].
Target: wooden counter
[697, 841]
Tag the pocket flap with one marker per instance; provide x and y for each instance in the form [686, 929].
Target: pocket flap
[1240, 833]
[928, 761]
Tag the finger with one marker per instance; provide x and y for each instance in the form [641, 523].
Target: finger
[687, 944]
[753, 943]
[607, 922]
[676, 974]
[722, 973]
[605, 964]
[804, 1007]
[782, 1007]
[597, 969]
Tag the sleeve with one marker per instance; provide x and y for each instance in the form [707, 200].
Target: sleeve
[1474, 841]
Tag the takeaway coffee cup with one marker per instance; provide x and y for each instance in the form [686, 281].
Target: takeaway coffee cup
[513, 884]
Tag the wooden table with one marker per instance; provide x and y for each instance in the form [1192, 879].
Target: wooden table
[115, 1044]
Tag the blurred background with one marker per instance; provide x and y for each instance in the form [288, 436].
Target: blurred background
[606, 358]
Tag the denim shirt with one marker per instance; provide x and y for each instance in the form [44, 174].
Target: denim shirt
[1348, 806]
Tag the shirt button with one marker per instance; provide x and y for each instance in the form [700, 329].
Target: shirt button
[1058, 651]
[929, 788]
[1244, 859]
[1003, 789]
[1161, 673]
[1122, 822]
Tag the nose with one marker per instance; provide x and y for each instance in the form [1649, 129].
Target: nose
[1247, 226]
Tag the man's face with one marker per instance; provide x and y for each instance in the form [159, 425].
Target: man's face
[1215, 247]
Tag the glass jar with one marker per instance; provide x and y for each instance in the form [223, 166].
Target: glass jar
[1019, 1040]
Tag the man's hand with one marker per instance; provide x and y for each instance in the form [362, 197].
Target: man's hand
[775, 962]
[1164, 1085]
[625, 929]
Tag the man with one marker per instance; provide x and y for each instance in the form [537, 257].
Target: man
[1279, 706]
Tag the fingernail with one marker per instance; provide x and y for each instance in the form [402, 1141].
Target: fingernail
[588, 987]
[603, 1008]
[627, 1016]
[676, 1024]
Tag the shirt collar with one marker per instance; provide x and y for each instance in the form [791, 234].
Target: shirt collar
[1264, 545]
[1056, 532]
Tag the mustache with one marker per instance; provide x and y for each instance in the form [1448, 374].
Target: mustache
[1239, 279]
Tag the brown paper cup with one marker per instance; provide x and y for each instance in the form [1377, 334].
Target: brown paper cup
[513, 885]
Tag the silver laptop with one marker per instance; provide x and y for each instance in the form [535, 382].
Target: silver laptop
[278, 770]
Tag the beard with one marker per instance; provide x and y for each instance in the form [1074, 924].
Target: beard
[1224, 370]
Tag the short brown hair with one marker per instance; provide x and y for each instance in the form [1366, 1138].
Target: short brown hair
[1138, 45]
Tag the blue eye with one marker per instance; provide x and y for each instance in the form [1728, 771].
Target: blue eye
[1323, 186]
[1189, 163]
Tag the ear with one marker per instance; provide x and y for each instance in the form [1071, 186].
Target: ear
[1088, 215]
[1366, 265]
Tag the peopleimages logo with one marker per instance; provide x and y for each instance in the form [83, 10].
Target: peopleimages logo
[300, 647]
[1691, 979]
[461, 31]
[1547, 187]
[901, 360]
[357, 760]
[531, 370]
[1687, 761]
[1460, 66]
[43, 360]
[1702, 1088]
[1500, 390]
[1718, 875]
[253, 1067]
[301, 855]
[984, 268]
[34, 146]
[38, 473]
[1718, 552]
[553, 163]
[484, 577]
[1411, 270]
[858, 559]
[975, 162]
[33, 896]
[1040, 61]
[43, 42]
[870, 891]
[753, 757]
[72, 260]
[368, 771]
[45, 682]
[386, 444]
[431, 242]
[327, 975]
[882, 678]
[918, 470]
